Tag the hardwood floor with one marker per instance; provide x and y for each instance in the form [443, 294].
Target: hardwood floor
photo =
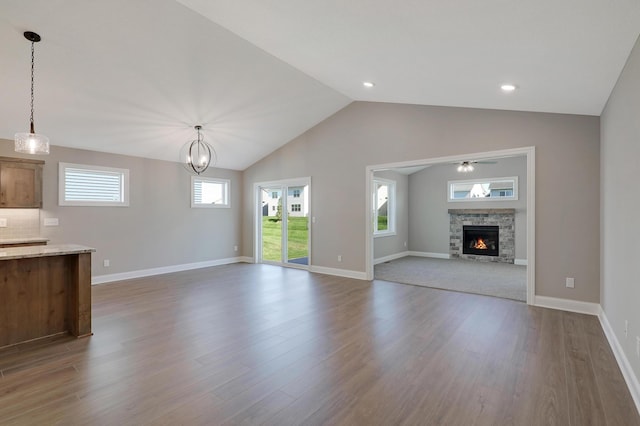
[259, 344]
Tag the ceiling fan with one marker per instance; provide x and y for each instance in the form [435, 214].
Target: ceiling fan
[467, 166]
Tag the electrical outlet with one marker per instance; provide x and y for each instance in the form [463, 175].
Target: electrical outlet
[3, 223]
[570, 283]
[405, 244]
[339, 258]
[235, 248]
[626, 328]
[51, 221]
[106, 263]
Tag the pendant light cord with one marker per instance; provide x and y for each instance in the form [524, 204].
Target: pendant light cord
[32, 82]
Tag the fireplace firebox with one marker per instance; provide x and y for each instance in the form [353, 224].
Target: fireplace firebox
[480, 240]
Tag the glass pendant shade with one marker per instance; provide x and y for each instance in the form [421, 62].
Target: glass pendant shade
[31, 143]
[197, 155]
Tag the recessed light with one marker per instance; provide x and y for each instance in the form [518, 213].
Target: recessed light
[368, 84]
[508, 87]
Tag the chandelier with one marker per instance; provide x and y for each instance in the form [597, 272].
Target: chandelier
[197, 155]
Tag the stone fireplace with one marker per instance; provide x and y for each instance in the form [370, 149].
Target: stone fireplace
[485, 235]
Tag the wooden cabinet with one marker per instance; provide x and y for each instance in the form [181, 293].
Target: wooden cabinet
[20, 183]
[45, 295]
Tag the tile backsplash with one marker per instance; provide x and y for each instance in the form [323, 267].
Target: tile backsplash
[21, 223]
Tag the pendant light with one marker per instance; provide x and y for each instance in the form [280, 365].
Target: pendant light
[32, 143]
[197, 155]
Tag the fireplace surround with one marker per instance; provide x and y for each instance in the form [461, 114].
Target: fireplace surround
[502, 220]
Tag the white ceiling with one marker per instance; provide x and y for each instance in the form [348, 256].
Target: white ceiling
[133, 77]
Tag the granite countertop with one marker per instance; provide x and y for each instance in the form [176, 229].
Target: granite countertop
[43, 251]
[23, 240]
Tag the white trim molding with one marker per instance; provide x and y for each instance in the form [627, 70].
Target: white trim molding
[521, 262]
[567, 305]
[346, 273]
[102, 279]
[430, 254]
[390, 257]
[621, 358]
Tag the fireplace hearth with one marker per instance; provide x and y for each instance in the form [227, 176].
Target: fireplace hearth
[481, 240]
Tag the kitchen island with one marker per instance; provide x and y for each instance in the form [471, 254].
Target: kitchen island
[44, 290]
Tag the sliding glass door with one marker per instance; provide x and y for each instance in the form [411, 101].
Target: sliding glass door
[283, 226]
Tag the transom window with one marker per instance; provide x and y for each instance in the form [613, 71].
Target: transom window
[84, 185]
[209, 192]
[486, 189]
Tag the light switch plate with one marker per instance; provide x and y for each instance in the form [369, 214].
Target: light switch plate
[3, 222]
[51, 221]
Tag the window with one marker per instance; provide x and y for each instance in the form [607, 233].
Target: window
[274, 194]
[296, 194]
[273, 208]
[488, 189]
[209, 192]
[82, 185]
[295, 207]
[384, 205]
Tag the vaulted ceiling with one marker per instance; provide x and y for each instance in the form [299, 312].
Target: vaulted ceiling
[134, 77]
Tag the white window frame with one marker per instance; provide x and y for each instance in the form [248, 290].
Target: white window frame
[226, 188]
[513, 179]
[391, 208]
[124, 186]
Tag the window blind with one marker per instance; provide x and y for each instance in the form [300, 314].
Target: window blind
[93, 185]
[85, 185]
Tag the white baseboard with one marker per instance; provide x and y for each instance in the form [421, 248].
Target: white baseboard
[390, 257]
[429, 254]
[623, 361]
[101, 279]
[522, 262]
[338, 272]
[567, 305]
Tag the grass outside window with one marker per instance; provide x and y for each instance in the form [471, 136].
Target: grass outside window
[298, 233]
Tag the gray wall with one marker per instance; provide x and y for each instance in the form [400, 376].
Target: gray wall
[393, 244]
[158, 229]
[620, 152]
[336, 152]
[428, 206]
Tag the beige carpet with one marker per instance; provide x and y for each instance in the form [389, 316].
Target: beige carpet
[489, 278]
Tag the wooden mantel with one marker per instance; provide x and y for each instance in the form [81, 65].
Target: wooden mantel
[44, 290]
